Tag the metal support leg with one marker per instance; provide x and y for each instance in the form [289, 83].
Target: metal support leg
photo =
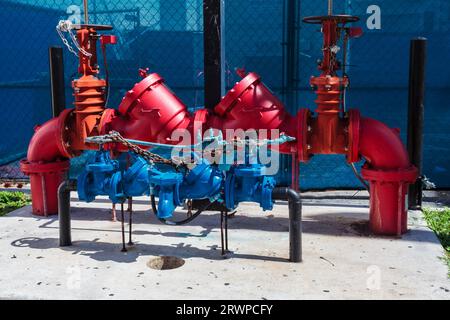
[113, 213]
[224, 232]
[124, 249]
[189, 208]
[130, 211]
[222, 245]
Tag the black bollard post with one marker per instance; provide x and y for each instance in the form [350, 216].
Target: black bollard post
[416, 116]
[295, 220]
[213, 40]
[65, 238]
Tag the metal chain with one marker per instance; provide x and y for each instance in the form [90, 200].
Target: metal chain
[67, 26]
[147, 155]
[75, 42]
[115, 137]
[66, 43]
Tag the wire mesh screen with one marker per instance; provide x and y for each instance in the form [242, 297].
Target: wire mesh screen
[166, 36]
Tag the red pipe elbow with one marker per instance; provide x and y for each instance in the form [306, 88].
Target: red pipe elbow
[389, 172]
[47, 164]
[381, 146]
[47, 143]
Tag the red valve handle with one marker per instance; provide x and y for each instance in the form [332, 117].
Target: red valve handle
[99, 27]
[108, 39]
[341, 18]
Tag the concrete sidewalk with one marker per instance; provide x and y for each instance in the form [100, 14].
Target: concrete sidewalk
[341, 261]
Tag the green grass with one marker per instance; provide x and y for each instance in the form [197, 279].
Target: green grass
[439, 221]
[10, 201]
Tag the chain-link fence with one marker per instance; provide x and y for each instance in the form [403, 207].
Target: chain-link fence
[167, 37]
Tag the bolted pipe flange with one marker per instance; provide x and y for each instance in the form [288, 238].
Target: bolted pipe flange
[304, 130]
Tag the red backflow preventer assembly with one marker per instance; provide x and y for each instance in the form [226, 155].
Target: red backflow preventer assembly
[151, 112]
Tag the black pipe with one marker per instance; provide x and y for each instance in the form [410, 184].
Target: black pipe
[57, 80]
[64, 189]
[295, 220]
[206, 205]
[213, 52]
[418, 53]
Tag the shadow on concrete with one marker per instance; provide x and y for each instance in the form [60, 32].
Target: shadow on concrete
[339, 205]
[135, 201]
[440, 196]
[340, 224]
[105, 251]
[309, 201]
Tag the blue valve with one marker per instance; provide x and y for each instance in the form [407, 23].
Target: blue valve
[229, 184]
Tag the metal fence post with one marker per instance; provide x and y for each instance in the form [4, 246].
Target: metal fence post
[292, 54]
[57, 80]
[416, 116]
[290, 77]
[213, 30]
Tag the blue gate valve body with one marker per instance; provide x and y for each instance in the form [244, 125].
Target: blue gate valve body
[249, 183]
[166, 185]
[105, 176]
[204, 181]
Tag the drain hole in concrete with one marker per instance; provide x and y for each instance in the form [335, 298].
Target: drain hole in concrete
[165, 263]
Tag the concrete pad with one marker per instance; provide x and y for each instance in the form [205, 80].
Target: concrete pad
[341, 261]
